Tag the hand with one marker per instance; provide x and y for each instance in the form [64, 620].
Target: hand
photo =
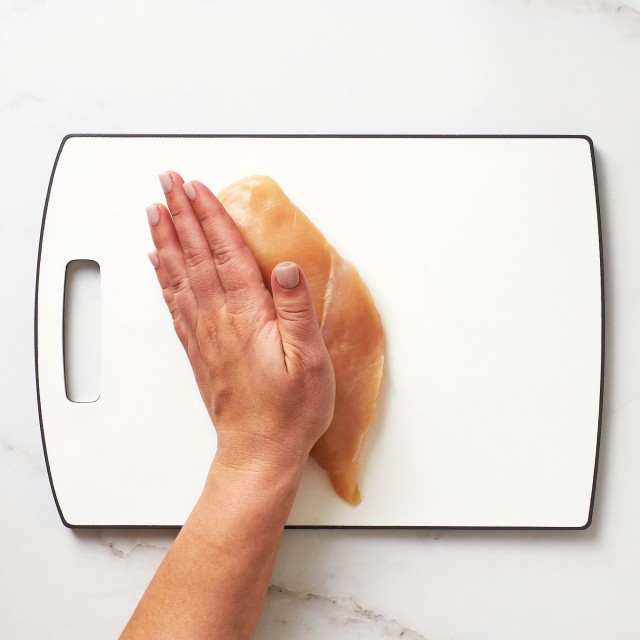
[259, 360]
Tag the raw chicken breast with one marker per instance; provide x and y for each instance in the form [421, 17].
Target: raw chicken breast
[276, 231]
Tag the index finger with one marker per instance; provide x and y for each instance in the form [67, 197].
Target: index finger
[235, 263]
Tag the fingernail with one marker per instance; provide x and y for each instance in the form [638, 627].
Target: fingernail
[153, 214]
[287, 275]
[190, 190]
[155, 260]
[166, 182]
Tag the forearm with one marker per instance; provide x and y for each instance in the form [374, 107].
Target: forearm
[267, 380]
[214, 579]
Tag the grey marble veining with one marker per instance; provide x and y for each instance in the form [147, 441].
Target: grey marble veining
[293, 614]
[124, 544]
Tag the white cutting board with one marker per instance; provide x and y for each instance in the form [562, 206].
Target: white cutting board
[483, 256]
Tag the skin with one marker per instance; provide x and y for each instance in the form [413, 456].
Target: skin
[267, 381]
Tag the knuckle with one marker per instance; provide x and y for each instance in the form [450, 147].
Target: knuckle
[234, 279]
[173, 310]
[196, 260]
[180, 283]
[317, 363]
[240, 302]
[242, 321]
[167, 294]
[313, 361]
[206, 331]
[183, 304]
[226, 255]
[319, 378]
[294, 312]
[177, 209]
[172, 305]
[181, 331]
[300, 319]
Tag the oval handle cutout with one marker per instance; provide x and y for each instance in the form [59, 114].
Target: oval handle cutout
[82, 309]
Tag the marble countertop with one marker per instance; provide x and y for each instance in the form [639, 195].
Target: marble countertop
[495, 66]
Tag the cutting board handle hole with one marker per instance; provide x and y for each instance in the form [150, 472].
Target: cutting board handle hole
[82, 330]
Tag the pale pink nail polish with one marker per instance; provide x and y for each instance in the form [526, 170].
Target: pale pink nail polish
[287, 275]
[155, 260]
[190, 190]
[153, 214]
[166, 182]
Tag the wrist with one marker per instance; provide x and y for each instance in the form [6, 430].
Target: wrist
[256, 491]
[255, 455]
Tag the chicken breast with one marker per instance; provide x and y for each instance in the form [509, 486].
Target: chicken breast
[276, 231]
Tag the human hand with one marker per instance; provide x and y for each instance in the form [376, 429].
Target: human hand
[259, 360]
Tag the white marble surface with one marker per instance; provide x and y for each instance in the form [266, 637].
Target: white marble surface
[489, 66]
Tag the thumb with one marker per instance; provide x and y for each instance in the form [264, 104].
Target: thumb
[296, 316]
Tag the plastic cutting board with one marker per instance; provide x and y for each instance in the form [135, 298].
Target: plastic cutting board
[483, 255]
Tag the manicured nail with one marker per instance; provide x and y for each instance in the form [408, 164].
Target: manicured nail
[190, 190]
[153, 213]
[166, 182]
[287, 275]
[155, 260]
